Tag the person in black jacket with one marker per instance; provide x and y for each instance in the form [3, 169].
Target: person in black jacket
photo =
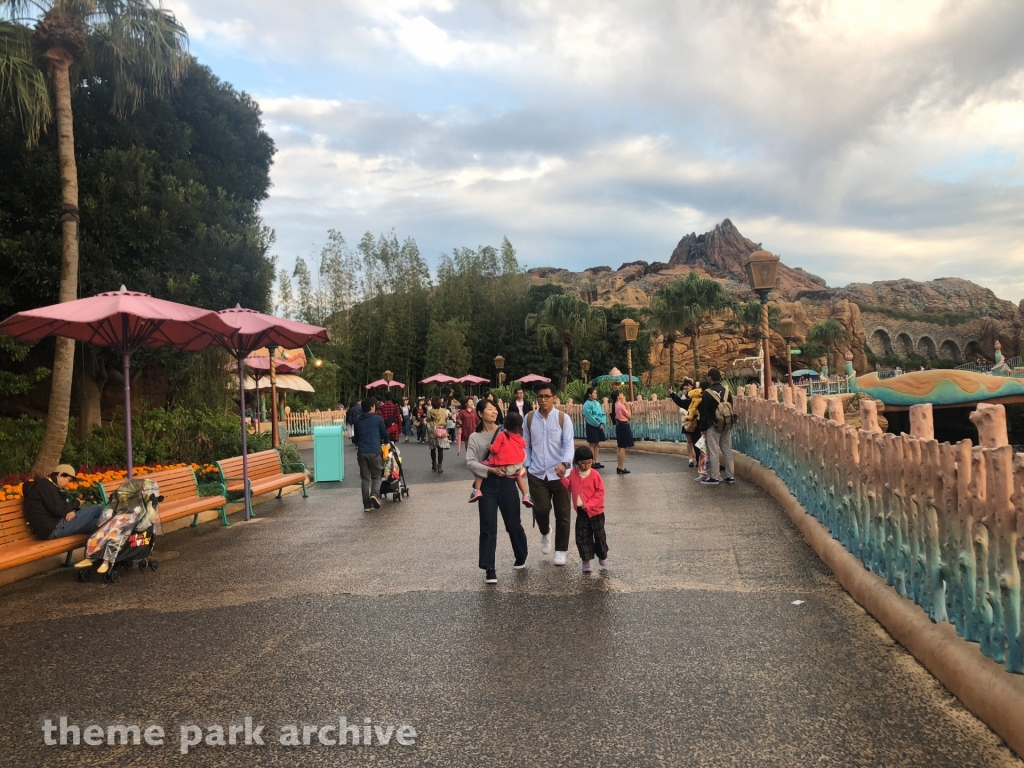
[371, 436]
[49, 513]
[719, 441]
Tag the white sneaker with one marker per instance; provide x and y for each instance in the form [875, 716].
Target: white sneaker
[545, 545]
[559, 558]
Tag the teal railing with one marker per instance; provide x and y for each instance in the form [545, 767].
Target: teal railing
[942, 524]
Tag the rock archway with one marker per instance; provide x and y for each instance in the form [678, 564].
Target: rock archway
[904, 345]
[926, 347]
[881, 342]
[949, 350]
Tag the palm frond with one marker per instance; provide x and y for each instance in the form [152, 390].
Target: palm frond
[22, 9]
[145, 47]
[23, 85]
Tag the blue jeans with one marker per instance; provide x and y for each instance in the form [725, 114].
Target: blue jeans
[86, 520]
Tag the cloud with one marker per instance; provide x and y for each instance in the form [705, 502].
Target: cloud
[868, 140]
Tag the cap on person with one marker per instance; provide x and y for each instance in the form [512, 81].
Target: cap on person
[65, 469]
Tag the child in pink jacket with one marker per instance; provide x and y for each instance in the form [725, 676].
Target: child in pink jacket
[586, 489]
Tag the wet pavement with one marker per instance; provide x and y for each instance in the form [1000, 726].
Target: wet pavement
[686, 651]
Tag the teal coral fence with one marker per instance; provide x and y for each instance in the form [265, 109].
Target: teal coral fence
[658, 420]
[942, 524]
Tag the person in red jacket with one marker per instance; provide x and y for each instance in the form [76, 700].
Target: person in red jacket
[586, 489]
[508, 450]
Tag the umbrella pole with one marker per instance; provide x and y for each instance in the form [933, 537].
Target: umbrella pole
[126, 366]
[245, 451]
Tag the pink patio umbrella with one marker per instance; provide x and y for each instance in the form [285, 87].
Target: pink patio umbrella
[126, 321]
[471, 379]
[439, 378]
[249, 330]
[532, 377]
[383, 383]
[260, 367]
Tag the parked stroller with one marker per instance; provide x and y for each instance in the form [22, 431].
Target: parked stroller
[393, 483]
[126, 534]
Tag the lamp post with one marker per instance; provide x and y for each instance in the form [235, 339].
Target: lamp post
[788, 330]
[585, 370]
[499, 364]
[388, 377]
[628, 330]
[762, 272]
[275, 436]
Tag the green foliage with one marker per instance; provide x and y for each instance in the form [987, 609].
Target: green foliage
[199, 435]
[324, 380]
[446, 347]
[683, 307]
[945, 319]
[747, 319]
[564, 321]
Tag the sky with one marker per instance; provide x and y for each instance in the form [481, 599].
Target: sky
[859, 139]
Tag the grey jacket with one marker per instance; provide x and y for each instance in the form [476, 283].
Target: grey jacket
[476, 452]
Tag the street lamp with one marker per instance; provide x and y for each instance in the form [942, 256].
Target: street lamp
[585, 370]
[788, 330]
[628, 330]
[499, 363]
[762, 272]
[388, 376]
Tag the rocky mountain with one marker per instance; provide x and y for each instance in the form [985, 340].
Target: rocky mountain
[723, 253]
[936, 297]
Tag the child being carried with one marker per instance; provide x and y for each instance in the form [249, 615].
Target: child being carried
[508, 451]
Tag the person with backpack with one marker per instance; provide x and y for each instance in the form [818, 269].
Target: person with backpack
[716, 421]
[549, 453]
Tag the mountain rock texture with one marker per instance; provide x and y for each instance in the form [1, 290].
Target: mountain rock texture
[722, 253]
[947, 294]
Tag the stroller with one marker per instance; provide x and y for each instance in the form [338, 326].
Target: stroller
[127, 531]
[393, 483]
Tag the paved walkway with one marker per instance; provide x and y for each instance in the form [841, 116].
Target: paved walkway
[686, 651]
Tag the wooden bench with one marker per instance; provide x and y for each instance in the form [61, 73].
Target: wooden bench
[266, 473]
[183, 494]
[18, 545]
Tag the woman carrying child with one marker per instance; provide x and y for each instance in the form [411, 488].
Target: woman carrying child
[497, 492]
[586, 489]
[508, 451]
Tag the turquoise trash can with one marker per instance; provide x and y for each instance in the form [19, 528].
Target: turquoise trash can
[328, 454]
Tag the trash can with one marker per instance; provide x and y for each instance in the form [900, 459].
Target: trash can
[328, 454]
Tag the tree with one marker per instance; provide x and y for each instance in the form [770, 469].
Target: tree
[285, 295]
[446, 348]
[828, 333]
[141, 48]
[747, 319]
[686, 305]
[565, 320]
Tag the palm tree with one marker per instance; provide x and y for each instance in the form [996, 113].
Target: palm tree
[746, 319]
[142, 49]
[565, 319]
[828, 333]
[686, 305]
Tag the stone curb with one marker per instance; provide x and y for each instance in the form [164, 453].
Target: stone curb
[984, 687]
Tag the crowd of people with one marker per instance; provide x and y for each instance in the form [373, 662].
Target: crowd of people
[527, 457]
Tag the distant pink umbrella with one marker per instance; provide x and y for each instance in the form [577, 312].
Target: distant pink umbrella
[471, 379]
[249, 330]
[439, 378]
[124, 320]
[261, 365]
[384, 383]
[532, 377]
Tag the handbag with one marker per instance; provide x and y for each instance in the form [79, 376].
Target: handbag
[440, 432]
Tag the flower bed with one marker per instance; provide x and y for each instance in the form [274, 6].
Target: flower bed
[87, 487]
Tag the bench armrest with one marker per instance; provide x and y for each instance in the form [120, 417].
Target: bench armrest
[212, 489]
[293, 466]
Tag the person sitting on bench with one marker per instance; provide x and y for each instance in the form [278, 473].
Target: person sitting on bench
[50, 515]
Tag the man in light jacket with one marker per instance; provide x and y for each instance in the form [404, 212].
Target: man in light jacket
[549, 452]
